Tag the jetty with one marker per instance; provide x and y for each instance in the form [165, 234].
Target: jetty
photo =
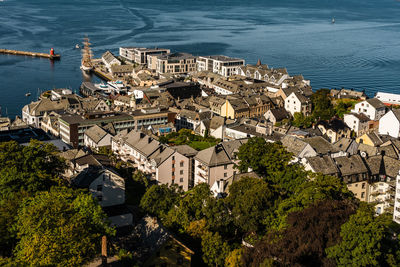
[51, 55]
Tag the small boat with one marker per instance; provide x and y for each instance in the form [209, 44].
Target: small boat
[77, 46]
[28, 94]
[333, 20]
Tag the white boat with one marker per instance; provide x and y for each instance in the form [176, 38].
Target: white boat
[333, 20]
[27, 94]
[77, 46]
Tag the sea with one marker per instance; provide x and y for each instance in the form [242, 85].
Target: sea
[361, 50]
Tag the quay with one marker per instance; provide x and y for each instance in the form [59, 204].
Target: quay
[101, 74]
[51, 55]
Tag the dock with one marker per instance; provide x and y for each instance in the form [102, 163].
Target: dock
[97, 71]
[31, 54]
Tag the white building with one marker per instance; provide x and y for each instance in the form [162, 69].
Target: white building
[396, 212]
[96, 137]
[109, 60]
[373, 108]
[357, 122]
[389, 124]
[222, 65]
[140, 54]
[387, 98]
[296, 102]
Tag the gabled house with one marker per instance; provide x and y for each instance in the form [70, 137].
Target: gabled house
[276, 115]
[344, 147]
[371, 139]
[297, 102]
[357, 122]
[373, 108]
[390, 123]
[321, 164]
[334, 129]
[298, 147]
[96, 137]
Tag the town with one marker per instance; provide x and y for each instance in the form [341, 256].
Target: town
[181, 121]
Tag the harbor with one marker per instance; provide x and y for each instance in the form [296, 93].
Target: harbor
[51, 55]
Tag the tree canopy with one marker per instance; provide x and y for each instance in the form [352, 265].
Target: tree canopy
[60, 227]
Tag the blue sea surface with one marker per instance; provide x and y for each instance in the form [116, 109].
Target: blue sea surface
[361, 50]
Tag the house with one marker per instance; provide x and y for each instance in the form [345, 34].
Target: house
[163, 129]
[221, 187]
[235, 108]
[276, 115]
[153, 245]
[109, 189]
[262, 72]
[321, 164]
[373, 108]
[348, 93]
[389, 124]
[109, 60]
[320, 145]
[96, 137]
[297, 102]
[371, 139]
[216, 162]
[123, 101]
[354, 174]
[298, 147]
[334, 129]
[120, 71]
[396, 212]
[388, 98]
[189, 119]
[357, 122]
[344, 147]
[383, 170]
[222, 65]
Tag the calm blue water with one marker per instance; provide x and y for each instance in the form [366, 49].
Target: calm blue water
[361, 50]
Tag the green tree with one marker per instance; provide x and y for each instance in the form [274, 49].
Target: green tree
[159, 199]
[250, 201]
[263, 157]
[299, 120]
[215, 250]
[31, 168]
[366, 241]
[322, 105]
[62, 227]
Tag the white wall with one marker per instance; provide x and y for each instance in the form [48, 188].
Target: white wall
[389, 124]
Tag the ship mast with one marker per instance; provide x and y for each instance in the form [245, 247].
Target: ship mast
[87, 54]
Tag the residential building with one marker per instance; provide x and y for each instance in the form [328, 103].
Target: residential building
[276, 115]
[264, 73]
[189, 119]
[297, 102]
[373, 108]
[216, 163]
[396, 212]
[139, 55]
[96, 137]
[389, 124]
[175, 63]
[357, 122]
[321, 164]
[73, 126]
[120, 71]
[298, 147]
[222, 65]
[334, 129]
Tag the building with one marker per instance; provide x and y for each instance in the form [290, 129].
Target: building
[139, 55]
[96, 137]
[388, 99]
[298, 147]
[216, 163]
[297, 102]
[334, 129]
[373, 108]
[276, 115]
[389, 124]
[109, 60]
[321, 164]
[73, 127]
[396, 211]
[175, 63]
[357, 122]
[222, 65]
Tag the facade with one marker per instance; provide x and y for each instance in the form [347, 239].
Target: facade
[357, 122]
[396, 211]
[222, 65]
[109, 60]
[389, 124]
[73, 127]
[96, 137]
[139, 55]
[373, 108]
[296, 102]
[175, 63]
[388, 99]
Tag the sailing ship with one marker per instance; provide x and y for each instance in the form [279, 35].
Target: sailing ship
[87, 55]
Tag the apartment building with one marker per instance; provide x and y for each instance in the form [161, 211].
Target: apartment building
[174, 63]
[222, 65]
[139, 55]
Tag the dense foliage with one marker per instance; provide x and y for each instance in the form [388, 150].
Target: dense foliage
[43, 222]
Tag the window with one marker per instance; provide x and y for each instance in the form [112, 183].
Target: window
[181, 180]
[99, 187]
[362, 194]
[225, 174]
[173, 173]
[181, 163]
[180, 260]
[173, 165]
[173, 157]
[99, 198]
[356, 185]
[181, 172]
[363, 186]
[225, 167]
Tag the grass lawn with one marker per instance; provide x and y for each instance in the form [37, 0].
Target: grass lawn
[200, 145]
